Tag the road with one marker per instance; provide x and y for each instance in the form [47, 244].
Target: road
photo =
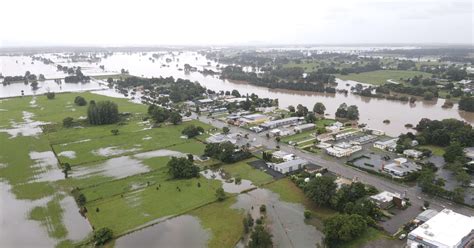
[414, 193]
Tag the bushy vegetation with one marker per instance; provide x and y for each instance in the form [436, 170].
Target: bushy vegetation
[102, 112]
[226, 152]
[192, 131]
[347, 112]
[182, 168]
[343, 228]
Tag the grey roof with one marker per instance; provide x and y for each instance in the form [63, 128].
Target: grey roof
[426, 215]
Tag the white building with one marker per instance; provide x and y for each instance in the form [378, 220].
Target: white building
[384, 199]
[283, 155]
[279, 123]
[290, 166]
[304, 127]
[388, 145]
[446, 229]
[343, 150]
[220, 138]
[412, 153]
[401, 167]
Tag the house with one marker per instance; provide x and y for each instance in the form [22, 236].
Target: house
[345, 135]
[384, 199]
[221, 138]
[413, 153]
[389, 145]
[202, 102]
[373, 131]
[283, 155]
[364, 139]
[304, 127]
[343, 150]
[445, 229]
[290, 166]
[400, 167]
[279, 123]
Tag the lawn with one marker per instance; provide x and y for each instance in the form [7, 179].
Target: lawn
[141, 201]
[245, 171]
[381, 76]
[299, 136]
[130, 210]
[224, 223]
[436, 150]
[289, 192]
[370, 234]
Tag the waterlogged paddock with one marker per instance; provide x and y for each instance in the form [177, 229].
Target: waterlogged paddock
[182, 231]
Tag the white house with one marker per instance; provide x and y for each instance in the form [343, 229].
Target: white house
[412, 153]
[290, 166]
[343, 150]
[388, 145]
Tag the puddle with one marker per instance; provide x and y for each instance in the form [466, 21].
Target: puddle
[68, 154]
[3, 110]
[147, 138]
[115, 167]
[228, 185]
[33, 103]
[78, 227]
[75, 142]
[285, 220]
[46, 167]
[112, 151]
[159, 153]
[182, 231]
[16, 230]
[26, 128]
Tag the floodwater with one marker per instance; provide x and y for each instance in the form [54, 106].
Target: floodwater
[229, 185]
[123, 166]
[182, 231]
[26, 128]
[16, 229]
[78, 227]
[372, 111]
[46, 167]
[285, 220]
[68, 154]
[112, 151]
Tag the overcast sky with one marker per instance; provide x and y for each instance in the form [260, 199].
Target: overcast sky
[221, 22]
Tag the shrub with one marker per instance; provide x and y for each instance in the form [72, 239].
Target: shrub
[80, 101]
[50, 95]
[102, 236]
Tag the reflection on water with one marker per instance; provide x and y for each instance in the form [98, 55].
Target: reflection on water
[285, 220]
[182, 231]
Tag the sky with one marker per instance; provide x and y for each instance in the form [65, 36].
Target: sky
[242, 22]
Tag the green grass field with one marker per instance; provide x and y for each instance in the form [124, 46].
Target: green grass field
[120, 204]
[436, 150]
[245, 171]
[381, 76]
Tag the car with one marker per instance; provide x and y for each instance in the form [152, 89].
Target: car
[402, 236]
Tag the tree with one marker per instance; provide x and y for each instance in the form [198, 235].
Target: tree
[192, 131]
[175, 118]
[225, 130]
[428, 95]
[182, 168]
[291, 108]
[458, 195]
[467, 103]
[320, 190]
[319, 108]
[80, 101]
[68, 122]
[102, 236]
[158, 114]
[352, 112]
[50, 95]
[114, 131]
[235, 93]
[80, 199]
[342, 228]
[310, 118]
[220, 194]
[66, 169]
[341, 112]
[307, 214]
[453, 151]
[260, 238]
[102, 113]
[301, 110]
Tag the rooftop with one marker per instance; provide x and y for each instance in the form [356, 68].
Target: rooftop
[276, 122]
[385, 196]
[446, 229]
[291, 163]
[426, 215]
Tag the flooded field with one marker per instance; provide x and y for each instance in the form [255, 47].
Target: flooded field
[285, 220]
[181, 231]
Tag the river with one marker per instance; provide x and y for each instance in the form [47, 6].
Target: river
[372, 111]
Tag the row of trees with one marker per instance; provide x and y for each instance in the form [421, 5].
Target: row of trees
[102, 113]
[225, 152]
[160, 115]
[347, 112]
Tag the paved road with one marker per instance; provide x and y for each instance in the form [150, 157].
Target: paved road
[414, 193]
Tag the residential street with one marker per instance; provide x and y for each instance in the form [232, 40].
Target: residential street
[414, 193]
